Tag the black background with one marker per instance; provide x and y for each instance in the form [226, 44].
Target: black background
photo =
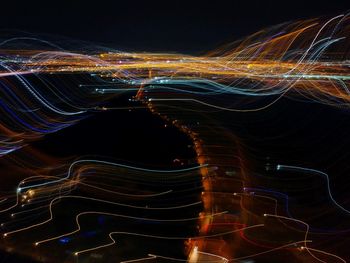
[185, 26]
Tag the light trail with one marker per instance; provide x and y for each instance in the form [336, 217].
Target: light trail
[43, 91]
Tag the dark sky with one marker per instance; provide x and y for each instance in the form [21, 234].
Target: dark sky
[185, 26]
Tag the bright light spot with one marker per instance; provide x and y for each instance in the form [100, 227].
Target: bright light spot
[31, 193]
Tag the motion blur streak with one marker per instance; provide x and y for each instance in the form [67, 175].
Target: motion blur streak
[225, 206]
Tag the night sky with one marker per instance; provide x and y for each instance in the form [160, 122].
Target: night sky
[183, 26]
